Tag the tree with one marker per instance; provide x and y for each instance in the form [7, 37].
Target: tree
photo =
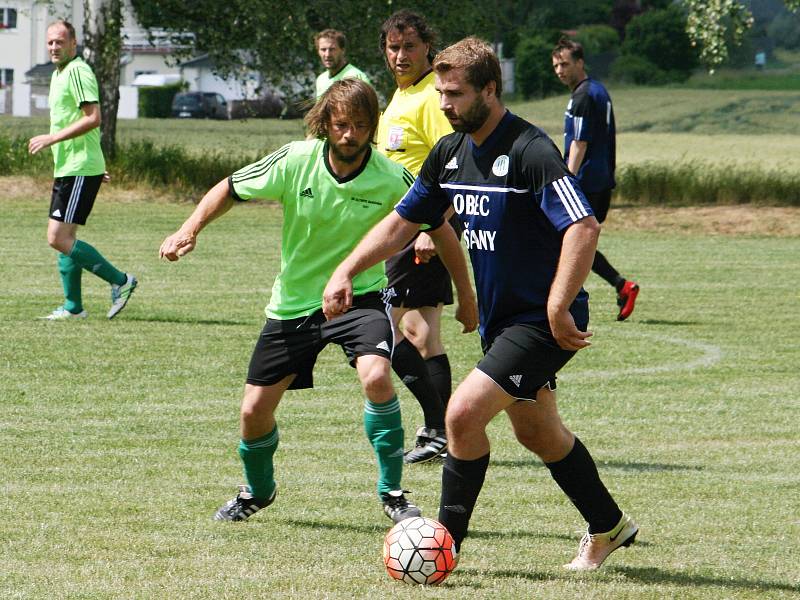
[275, 37]
[102, 40]
[710, 22]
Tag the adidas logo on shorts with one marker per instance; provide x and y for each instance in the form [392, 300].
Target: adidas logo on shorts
[516, 379]
[383, 346]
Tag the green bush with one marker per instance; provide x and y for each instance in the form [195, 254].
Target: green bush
[632, 68]
[659, 36]
[156, 102]
[597, 39]
[533, 71]
[14, 158]
[696, 184]
[785, 30]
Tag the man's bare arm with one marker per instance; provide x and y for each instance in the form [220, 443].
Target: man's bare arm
[574, 264]
[577, 150]
[382, 241]
[90, 119]
[215, 203]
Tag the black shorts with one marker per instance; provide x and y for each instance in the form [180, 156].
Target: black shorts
[414, 285]
[292, 346]
[523, 358]
[73, 198]
[599, 201]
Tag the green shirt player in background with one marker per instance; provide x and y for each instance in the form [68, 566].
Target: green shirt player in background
[79, 170]
[330, 45]
[333, 189]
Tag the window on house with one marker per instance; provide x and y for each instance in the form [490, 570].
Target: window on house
[6, 77]
[8, 18]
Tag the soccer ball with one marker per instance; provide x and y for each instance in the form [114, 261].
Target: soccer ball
[419, 550]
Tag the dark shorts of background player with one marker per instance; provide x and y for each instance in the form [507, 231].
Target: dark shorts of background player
[522, 358]
[599, 201]
[414, 285]
[291, 346]
[73, 198]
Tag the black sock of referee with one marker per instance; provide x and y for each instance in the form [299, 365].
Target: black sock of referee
[603, 268]
[462, 481]
[577, 475]
[439, 368]
[410, 368]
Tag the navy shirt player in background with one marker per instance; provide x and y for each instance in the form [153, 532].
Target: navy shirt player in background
[531, 237]
[590, 150]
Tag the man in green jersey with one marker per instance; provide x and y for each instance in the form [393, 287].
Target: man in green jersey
[79, 170]
[330, 45]
[332, 188]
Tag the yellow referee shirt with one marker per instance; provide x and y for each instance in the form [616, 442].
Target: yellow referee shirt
[412, 124]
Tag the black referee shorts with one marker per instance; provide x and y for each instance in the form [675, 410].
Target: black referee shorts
[414, 285]
[523, 358]
[73, 198]
[291, 346]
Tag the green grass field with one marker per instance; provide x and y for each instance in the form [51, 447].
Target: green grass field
[118, 438]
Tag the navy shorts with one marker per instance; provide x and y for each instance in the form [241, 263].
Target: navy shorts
[523, 358]
[73, 198]
[291, 347]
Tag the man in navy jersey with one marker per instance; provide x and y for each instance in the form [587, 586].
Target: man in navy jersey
[590, 150]
[531, 237]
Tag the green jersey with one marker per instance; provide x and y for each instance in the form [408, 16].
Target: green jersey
[324, 217]
[324, 80]
[70, 88]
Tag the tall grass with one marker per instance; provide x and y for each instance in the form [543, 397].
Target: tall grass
[698, 183]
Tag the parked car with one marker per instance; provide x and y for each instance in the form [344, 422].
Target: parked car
[199, 105]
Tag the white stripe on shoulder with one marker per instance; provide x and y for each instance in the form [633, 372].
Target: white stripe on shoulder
[565, 199]
[483, 188]
[580, 208]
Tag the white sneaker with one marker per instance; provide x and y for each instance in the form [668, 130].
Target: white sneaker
[62, 314]
[120, 294]
[595, 547]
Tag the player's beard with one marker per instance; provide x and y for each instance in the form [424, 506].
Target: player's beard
[473, 118]
[358, 152]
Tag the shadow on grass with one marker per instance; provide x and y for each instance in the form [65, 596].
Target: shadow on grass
[648, 575]
[317, 525]
[611, 464]
[668, 322]
[653, 575]
[534, 535]
[186, 320]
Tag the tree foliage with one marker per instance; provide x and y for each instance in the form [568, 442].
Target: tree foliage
[713, 24]
[659, 37]
[275, 38]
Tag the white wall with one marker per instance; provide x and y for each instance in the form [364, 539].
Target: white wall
[128, 102]
[21, 100]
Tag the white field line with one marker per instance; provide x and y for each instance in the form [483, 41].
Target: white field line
[710, 355]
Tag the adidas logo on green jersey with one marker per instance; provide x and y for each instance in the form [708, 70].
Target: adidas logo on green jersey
[307, 193]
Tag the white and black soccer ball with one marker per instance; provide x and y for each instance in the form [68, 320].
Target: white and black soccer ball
[419, 550]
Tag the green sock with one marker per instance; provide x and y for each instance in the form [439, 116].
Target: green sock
[256, 456]
[384, 430]
[71, 281]
[87, 257]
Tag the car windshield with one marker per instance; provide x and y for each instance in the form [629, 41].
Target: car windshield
[187, 100]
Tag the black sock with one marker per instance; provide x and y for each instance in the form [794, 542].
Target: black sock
[462, 481]
[577, 475]
[410, 368]
[603, 268]
[439, 368]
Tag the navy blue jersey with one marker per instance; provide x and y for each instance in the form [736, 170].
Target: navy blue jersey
[590, 118]
[514, 197]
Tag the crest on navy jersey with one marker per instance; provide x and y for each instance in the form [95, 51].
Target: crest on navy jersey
[500, 166]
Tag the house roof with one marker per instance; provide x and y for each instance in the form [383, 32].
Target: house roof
[199, 62]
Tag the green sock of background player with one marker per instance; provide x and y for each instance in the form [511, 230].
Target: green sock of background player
[256, 457]
[384, 430]
[87, 257]
[70, 273]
